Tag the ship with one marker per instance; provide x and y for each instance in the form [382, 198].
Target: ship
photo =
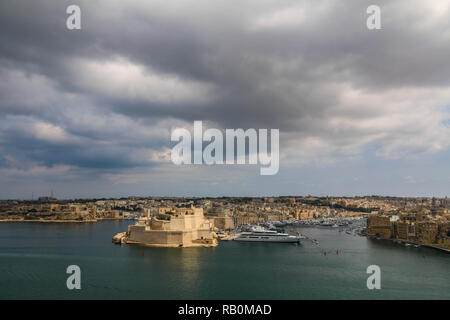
[260, 234]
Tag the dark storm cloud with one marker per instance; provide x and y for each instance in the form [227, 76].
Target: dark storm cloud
[23, 144]
[263, 73]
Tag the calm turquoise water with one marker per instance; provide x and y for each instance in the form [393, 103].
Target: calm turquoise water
[34, 258]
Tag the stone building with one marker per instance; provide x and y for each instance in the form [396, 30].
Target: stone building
[177, 227]
[427, 231]
[379, 226]
[221, 219]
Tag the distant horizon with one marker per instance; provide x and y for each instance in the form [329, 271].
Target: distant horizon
[221, 197]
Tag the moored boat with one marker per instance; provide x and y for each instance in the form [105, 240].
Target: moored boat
[259, 234]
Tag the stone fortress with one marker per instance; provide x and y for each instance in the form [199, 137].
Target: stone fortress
[171, 227]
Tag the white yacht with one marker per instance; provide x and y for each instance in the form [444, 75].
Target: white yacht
[259, 234]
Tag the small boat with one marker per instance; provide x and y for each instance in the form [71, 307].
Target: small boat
[278, 223]
[270, 226]
[129, 216]
[326, 224]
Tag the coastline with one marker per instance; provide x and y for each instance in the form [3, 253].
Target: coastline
[411, 243]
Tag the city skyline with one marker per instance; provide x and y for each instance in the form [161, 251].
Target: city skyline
[88, 113]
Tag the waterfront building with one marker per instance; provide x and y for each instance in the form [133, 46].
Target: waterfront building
[177, 227]
[401, 230]
[379, 226]
[221, 219]
[427, 231]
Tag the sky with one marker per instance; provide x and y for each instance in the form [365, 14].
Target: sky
[89, 113]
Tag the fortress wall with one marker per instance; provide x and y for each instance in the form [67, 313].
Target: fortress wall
[177, 224]
[157, 237]
[188, 222]
[160, 224]
[167, 238]
[181, 230]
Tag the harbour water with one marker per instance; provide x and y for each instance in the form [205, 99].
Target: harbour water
[34, 258]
